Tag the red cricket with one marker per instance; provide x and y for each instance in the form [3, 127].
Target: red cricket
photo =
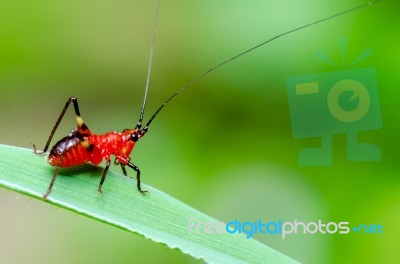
[81, 146]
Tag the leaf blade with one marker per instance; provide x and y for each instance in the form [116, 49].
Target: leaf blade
[156, 216]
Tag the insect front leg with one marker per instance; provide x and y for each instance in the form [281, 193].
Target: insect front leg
[133, 166]
[123, 161]
[81, 125]
[116, 162]
[124, 170]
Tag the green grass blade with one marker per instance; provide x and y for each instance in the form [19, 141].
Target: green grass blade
[156, 216]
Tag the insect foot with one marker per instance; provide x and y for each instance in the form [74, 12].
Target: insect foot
[143, 192]
[36, 151]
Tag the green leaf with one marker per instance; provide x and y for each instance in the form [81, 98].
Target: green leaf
[156, 216]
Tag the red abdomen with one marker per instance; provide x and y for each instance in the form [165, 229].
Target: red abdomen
[68, 152]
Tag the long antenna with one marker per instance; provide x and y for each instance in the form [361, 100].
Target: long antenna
[201, 76]
[153, 41]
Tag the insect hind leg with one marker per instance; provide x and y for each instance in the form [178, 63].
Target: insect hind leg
[55, 173]
[81, 125]
[51, 183]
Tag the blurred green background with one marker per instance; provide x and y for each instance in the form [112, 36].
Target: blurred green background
[225, 145]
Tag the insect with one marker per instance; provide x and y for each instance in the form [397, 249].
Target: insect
[82, 146]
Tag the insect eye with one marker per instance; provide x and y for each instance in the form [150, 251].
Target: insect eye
[134, 137]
